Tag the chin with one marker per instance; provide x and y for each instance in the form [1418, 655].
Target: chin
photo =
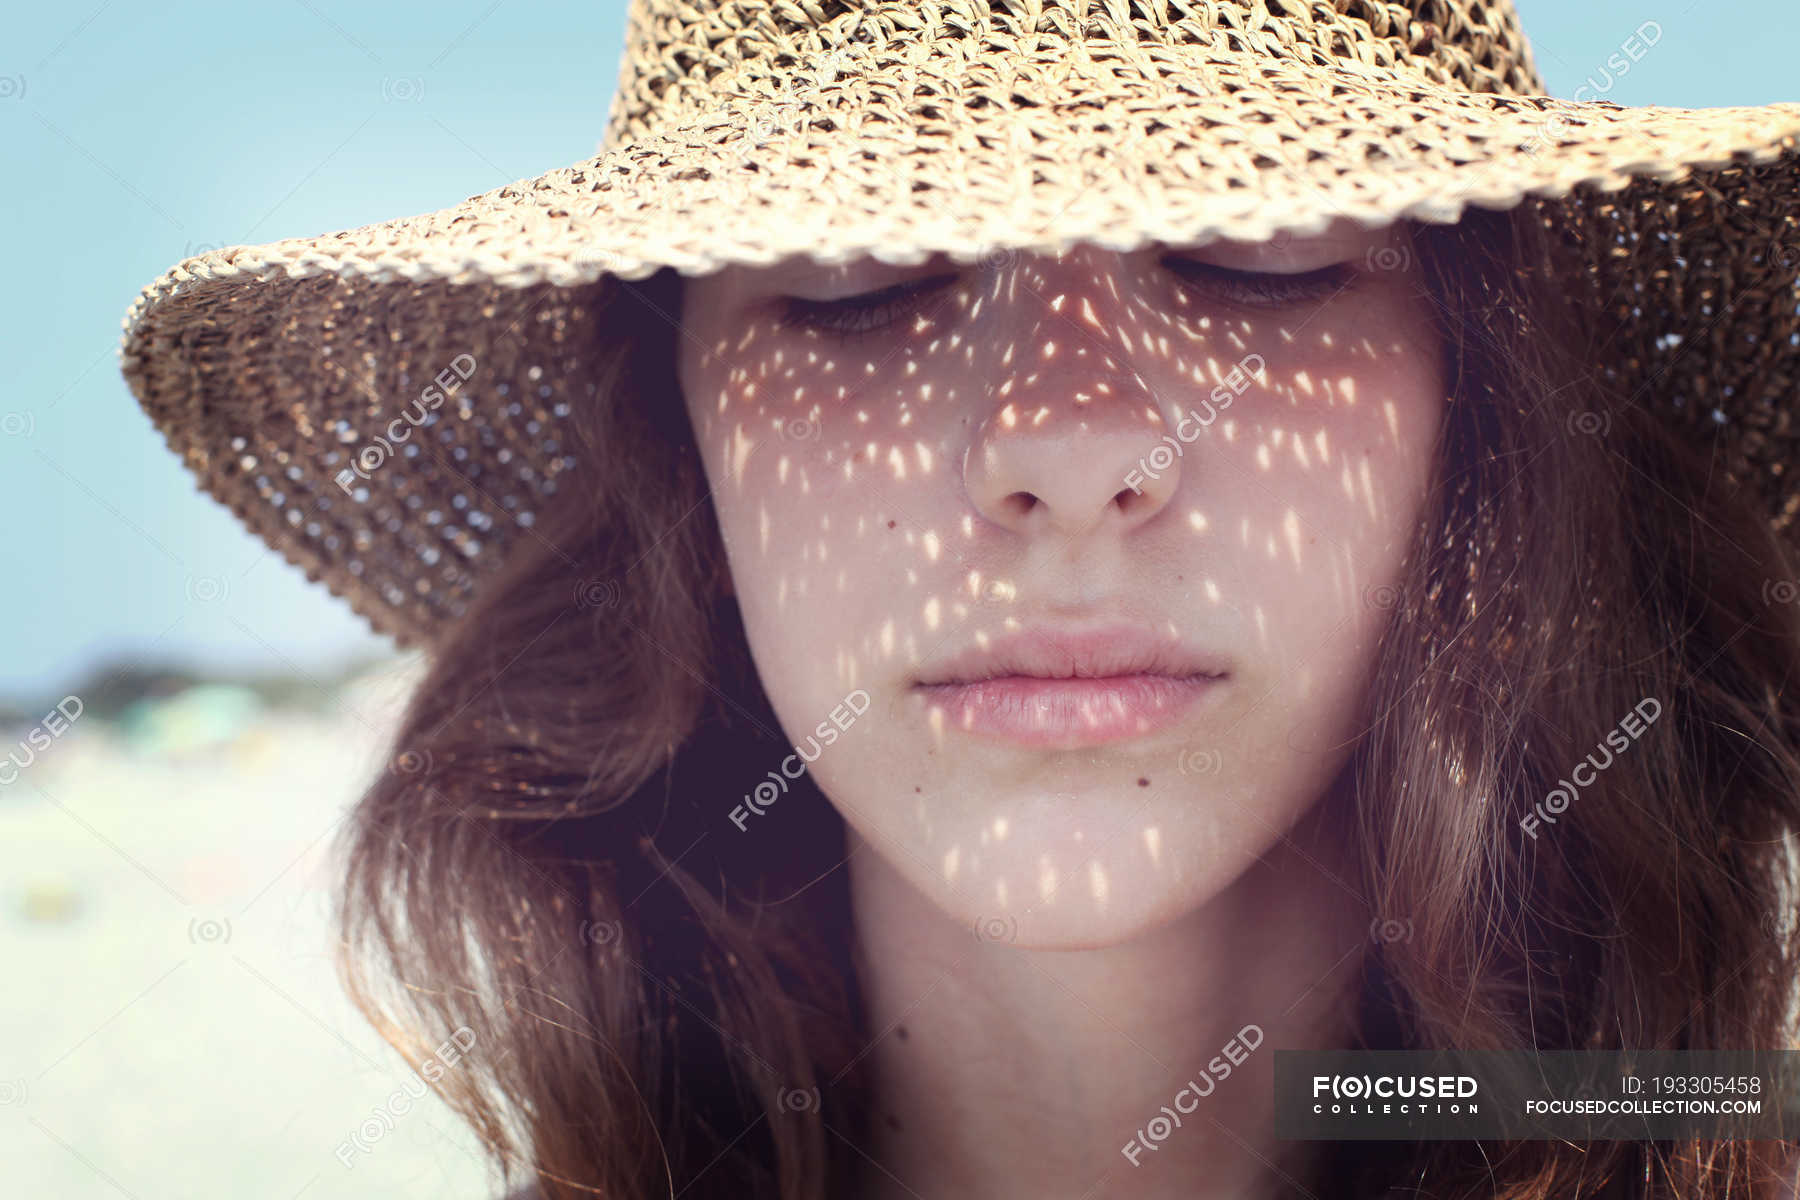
[1073, 865]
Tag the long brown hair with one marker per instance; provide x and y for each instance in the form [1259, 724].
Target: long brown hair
[657, 1008]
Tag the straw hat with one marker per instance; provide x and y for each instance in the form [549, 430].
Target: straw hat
[286, 375]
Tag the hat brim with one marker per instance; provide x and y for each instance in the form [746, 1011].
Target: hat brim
[270, 368]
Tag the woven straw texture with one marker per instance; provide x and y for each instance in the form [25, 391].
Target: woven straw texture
[746, 131]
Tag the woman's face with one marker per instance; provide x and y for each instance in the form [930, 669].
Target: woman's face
[1066, 573]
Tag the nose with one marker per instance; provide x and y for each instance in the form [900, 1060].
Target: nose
[1071, 439]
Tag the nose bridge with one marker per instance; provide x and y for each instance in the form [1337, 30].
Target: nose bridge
[1070, 423]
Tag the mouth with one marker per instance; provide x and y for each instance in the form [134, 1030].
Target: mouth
[1072, 688]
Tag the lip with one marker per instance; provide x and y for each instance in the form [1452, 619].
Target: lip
[1068, 687]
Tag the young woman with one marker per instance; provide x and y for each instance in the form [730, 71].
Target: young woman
[1029, 549]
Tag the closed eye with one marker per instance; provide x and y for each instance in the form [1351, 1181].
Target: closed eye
[862, 313]
[1261, 289]
[866, 312]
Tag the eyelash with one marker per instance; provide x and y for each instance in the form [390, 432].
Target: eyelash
[863, 313]
[869, 311]
[1262, 289]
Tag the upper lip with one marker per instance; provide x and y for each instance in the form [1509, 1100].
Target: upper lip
[1075, 652]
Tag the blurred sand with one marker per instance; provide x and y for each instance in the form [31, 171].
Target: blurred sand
[170, 1023]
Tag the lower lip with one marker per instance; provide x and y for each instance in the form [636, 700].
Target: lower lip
[1069, 712]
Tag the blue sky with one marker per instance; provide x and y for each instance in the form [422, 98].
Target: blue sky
[135, 135]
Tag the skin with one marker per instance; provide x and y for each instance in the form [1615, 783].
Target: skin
[1067, 936]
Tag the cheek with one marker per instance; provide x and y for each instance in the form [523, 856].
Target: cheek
[1315, 539]
[832, 569]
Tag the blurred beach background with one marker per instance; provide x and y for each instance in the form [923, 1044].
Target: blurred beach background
[195, 718]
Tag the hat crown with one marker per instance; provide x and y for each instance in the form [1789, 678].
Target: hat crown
[683, 56]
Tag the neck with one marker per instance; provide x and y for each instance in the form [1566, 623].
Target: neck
[1006, 1072]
